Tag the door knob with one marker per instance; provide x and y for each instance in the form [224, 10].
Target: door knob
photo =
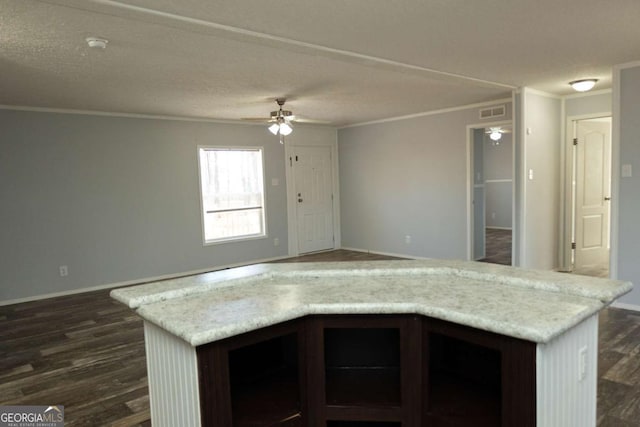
[300, 200]
[607, 199]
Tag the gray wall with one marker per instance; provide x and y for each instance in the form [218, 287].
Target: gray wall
[629, 190]
[407, 177]
[498, 173]
[542, 149]
[588, 104]
[116, 199]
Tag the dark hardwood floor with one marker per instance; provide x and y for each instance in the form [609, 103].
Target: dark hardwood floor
[339, 255]
[497, 246]
[86, 352]
[619, 368]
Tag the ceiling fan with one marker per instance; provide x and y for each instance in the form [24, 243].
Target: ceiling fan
[281, 120]
[495, 133]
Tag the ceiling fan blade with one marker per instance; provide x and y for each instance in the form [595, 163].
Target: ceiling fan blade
[283, 116]
[497, 129]
[256, 119]
[311, 121]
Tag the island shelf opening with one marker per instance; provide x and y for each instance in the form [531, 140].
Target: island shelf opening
[362, 366]
[465, 382]
[256, 379]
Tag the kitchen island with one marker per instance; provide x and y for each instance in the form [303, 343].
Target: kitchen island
[383, 343]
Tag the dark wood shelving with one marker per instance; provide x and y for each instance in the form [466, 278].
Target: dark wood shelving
[454, 401]
[264, 382]
[361, 424]
[363, 369]
[270, 400]
[464, 382]
[255, 379]
[362, 366]
[476, 378]
[363, 386]
[368, 371]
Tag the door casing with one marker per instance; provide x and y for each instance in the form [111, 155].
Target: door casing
[470, 187]
[314, 191]
[567, 193]
[292, 200]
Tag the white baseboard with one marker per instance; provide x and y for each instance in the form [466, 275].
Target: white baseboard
[136, 281]
[625, 306]
[384, 253]
[498, 228]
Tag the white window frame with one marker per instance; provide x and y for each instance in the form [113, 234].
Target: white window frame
[244, 237]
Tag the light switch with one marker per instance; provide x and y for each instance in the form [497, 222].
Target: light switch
[626, 171]
[530, 174]
[275, 182]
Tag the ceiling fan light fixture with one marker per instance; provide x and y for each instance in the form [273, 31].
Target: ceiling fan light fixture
[285, 128]
[495, 135]
[583, 85]
[274, 128]
[280, 121]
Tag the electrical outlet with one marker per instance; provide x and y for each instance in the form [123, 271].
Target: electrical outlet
[493, 215]
[276, 241]
[582, 363]
[64, 271]
[407, 239]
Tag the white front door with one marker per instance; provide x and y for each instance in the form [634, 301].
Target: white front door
[314, 198]
[593, 190]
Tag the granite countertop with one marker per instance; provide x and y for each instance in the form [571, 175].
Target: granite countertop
[528, 304]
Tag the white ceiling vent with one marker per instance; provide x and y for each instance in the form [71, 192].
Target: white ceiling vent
[496, 111]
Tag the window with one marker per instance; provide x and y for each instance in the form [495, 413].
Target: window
[232, 192]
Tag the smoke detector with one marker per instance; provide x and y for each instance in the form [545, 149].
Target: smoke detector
[97, 43]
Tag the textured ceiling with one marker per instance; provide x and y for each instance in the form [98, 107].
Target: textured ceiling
[340, 62]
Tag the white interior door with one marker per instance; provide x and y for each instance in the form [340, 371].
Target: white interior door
[593, 189]
[314, 198]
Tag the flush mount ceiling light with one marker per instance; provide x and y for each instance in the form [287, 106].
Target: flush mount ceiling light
[97, 43]
[583, 85]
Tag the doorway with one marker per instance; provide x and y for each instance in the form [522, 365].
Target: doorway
[491, 224]
[591, 196]
[313, 186]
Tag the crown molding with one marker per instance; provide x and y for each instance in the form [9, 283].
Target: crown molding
[429, 113]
